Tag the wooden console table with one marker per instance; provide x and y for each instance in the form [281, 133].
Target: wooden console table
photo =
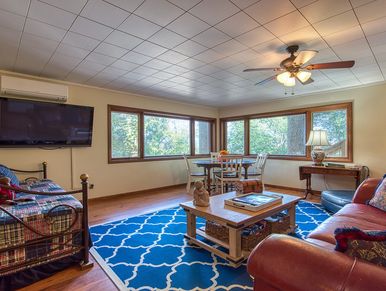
[305, 172]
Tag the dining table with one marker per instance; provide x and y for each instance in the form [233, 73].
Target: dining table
[208, 164]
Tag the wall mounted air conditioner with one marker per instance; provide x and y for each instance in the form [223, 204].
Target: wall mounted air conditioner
[13, 86]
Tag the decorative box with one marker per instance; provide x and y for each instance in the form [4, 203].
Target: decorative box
[245, 186]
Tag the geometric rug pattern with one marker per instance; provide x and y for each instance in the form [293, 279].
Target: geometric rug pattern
[149, 252]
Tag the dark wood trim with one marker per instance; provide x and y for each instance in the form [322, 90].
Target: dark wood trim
[139, 192]
[141, 131]
[246, 137]
[291, 188]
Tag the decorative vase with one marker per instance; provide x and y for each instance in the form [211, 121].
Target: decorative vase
[318, 156]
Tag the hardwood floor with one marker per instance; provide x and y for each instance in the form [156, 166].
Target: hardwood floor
[115, 208]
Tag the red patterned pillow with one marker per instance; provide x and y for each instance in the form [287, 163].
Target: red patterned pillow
[365, 245]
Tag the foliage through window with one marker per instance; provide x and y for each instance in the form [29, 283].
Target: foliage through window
[235, 136]
[137, 134]
[281, 135]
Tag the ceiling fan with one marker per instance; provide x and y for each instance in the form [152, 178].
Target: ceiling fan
[292, 67]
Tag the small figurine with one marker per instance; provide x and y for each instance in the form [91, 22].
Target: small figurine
[201, 196]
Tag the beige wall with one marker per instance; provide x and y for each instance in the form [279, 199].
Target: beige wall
[108, 178]
[369, 134]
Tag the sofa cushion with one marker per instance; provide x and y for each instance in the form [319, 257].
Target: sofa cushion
[363, 212]
[379, 199]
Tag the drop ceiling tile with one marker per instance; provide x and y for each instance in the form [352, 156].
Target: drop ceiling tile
[188, 25]
[50, 14]
[123, 65]
[274, 45]
[90, 28]
[136, 58]
[110, 50]
[176, 70]
[150, 49]
[337, 23]
[167, 38]
[205, 10]
[207, 69]
[190, 48]
[344, 36]
[375, 26]
[356, 3]
[255, 37]
[126, 5]
[286, 24]
[230, 47]
[191, 64]
[346, 51]
[133, 76]
[149, 81]
[211, 37]
[242, 4]
[172, 57]
[114, 72]
[185, 4]
[104, 13]
[159, 11]
[11, 20]
[44, 30]
[71, 51]
[302, 3]
[9, 37]
[324, 9]
[81, 41]
[300, 36]
[237, 24]
[157, 64]
[123, 40]
[163, 75]
[245, 56]
[208, 56]
[18, 7]
[100, 59]
[268, 10]
[33, 41]
[74, 6]
[371, 11]
[179, 80]
[316, 44]
[139, 27]
[145, 71]
[64, 62]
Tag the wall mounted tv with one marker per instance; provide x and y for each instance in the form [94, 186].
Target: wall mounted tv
[25, 123]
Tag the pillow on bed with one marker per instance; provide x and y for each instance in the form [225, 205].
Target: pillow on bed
[7, 172]
[365, 245]
[379, 198]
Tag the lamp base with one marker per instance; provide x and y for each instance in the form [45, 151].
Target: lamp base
[318, 156]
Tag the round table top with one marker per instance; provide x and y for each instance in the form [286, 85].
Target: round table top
[209, 162]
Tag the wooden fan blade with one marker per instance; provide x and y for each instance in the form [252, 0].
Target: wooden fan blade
[332, 65]
[309, 81]
[266, 80]
[262, 69]
[303, 57]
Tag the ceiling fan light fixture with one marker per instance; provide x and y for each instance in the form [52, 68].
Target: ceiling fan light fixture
[283, 77]
[303, 76]
[290, 82]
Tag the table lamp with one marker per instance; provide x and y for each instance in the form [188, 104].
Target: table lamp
[317, 139]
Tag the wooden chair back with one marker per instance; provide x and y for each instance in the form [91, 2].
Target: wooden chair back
[261, 160]
[214, 156]
[231, 164]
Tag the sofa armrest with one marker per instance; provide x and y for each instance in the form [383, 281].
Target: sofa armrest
[365, 191]
[281, 262]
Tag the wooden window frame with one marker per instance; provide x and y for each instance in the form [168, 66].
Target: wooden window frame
[141, 113]
[308, 114]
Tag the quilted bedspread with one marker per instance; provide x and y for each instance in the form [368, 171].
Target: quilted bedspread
[58, 215]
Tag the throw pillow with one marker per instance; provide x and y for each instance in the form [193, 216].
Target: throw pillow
[7, 172]
[379, 198]
[365, 245]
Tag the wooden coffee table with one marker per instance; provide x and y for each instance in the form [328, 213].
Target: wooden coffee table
[235, 220]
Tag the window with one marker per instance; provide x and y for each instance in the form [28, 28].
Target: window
[281, 135]
[335, 123]
[235, 136]
[137, 135]
[284, 134]
[202, 137]
[165, 136]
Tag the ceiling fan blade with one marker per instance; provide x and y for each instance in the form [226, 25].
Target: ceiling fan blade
[303, 57]
[266, 80]
[262, 69]
[332, 65]
[309, 81]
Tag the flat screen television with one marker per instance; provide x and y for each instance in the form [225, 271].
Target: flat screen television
[26, 123]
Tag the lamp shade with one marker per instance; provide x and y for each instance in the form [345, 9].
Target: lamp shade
[303, 76]
[318, 138]
[290, 82]
[283, 77]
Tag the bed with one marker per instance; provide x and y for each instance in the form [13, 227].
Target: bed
[44, 234]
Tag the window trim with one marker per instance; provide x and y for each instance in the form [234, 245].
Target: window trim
[308, 114]
[141, 124]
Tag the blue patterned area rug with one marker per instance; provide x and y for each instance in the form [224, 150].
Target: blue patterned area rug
[148, 252]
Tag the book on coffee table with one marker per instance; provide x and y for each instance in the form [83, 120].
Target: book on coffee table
[254, 201]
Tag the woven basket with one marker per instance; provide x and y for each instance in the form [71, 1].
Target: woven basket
[250, 237]
[279, 223]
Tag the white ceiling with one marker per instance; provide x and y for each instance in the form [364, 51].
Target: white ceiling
[192, 50]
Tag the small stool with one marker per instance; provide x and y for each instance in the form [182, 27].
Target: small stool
[333, 200]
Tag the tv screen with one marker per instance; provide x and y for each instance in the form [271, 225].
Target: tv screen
[25, 123]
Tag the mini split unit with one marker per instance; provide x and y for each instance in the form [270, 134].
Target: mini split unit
[12, 86]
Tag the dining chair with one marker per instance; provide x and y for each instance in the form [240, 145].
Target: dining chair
[214, 156]
[230, 171]
[193, 176]
[257, 169]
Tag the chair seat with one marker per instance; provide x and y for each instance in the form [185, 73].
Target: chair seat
[197, 174]
[334, 200]
[227, 176]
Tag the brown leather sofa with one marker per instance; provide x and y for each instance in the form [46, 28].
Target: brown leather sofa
[282, 262]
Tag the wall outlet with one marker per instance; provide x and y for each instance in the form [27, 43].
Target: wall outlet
[91, 186]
